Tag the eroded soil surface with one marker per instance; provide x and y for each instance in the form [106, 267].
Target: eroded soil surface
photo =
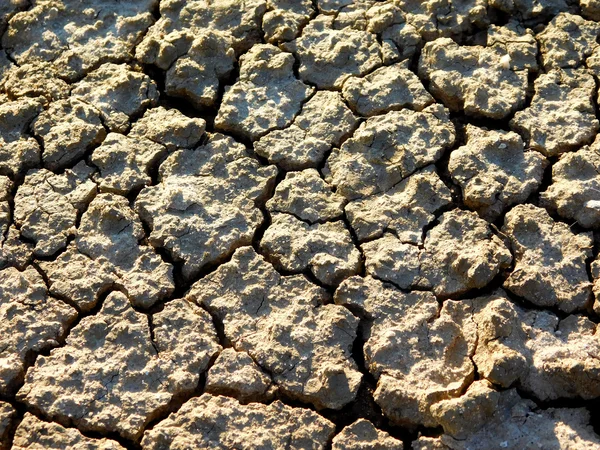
[299, 224]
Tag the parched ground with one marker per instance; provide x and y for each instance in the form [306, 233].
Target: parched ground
[296, 224]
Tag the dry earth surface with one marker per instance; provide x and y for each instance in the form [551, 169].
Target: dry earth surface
[299, 224]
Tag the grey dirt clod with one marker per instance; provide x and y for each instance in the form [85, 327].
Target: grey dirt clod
[80, 279]
[170, 128]
[285, 19]
[35, 434]
[51, 31]
[508, 422]
[385, 89]
[458, 254]
[561, 116]
[197, 43]
[36, 80]
[285, 324]
[47, 206]
[117, 374]
[550, 260]
[418, 351]
[481, 81]
[386, 149]
[118, 92]
[548, 357]
[575, 187]
[328, 56]
[67, 129]
[266, 96]
[325, 249]
[405, 209]
[237, 375]
[111, 235]
[567, 41]
[308, 197]
[205, 205]
[30, 321]
[19, 151]
[323, 122]
[494, 170]
[124, 162]
[362, 435]
[455, 19]
[223, 423]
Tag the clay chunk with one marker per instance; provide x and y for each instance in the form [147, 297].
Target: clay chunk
[515, 43]
[235, 374]
[561, 116]
[363, 435]
[385, 89]
[548, 357]
[171, 36]
[223, 423]
[76, 37]
[509, 422]
[18, 150]
[405, 209]
[248, 107]
[30, 321]
[308, 197]
[458, 254]
[328, 56]
[285, 19]
[124, 163]
[386, 149]
[196, 42]
[419, 353]
[36, 80]
[481, 81]
[283, 323]
[170, 128]
[47, 206]
[111, 234]
[68, 128]
[113, 375]
[567, 41]
[323, 122]
[14, 252]
[118, 93]
[575, 187]
[80, 279]
[204, 206]
[35, 434]
[495, 171]
[550, 260]
[456, 18]
[196, 75]
[325, 249]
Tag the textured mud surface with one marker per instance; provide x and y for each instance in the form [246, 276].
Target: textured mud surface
[308, 224]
